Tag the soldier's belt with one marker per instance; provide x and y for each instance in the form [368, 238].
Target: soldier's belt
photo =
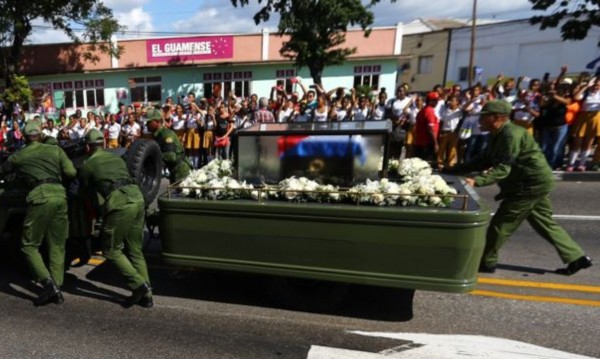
[107, 189]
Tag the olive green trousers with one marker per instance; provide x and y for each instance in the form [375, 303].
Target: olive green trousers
[122, 238]
[537, 210]
[46, 219]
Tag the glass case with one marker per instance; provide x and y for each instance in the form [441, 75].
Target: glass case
[337, 153]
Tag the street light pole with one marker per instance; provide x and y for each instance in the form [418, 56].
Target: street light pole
[471, 69]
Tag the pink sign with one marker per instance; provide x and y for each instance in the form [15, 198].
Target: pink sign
[185, 49]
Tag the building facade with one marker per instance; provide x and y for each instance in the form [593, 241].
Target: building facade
[152, 70]
[423, 61]
[517, 48]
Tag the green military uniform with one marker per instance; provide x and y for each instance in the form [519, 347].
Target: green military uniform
[42, 168]
[172, 150]
[515, 162]
[49, 140]
[122, 212]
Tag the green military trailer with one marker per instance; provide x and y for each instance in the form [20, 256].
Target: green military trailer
[410, 247]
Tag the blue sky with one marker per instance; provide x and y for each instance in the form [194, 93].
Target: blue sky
[149, 18]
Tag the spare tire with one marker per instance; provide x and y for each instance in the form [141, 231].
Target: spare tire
[144, 162]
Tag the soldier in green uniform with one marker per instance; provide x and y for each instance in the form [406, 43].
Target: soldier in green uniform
[122, 216]
[515, 162]
[42, 167]
[172, 150]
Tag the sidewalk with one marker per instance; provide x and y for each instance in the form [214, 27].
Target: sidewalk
[588, 176]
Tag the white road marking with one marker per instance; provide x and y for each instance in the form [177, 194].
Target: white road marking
[576, 217]
[438, 346]
[572, 217]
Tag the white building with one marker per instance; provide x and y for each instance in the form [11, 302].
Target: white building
[517, 48]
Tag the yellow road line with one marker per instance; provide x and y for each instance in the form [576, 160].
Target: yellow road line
[535, 298]
[96, 262]
[542, 285]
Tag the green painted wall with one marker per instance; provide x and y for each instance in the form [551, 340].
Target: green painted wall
[177, 81]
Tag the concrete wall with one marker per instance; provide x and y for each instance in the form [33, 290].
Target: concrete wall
[427, 44]
[517, 48]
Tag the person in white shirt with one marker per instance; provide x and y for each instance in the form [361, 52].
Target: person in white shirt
[113, 130]
[477, 140]
[50, 130]
[81, 127]
[130, 131]
[447, 155]
[378, 111]
[439, 108]
[587, 127]
[398, 109]
[360, 109]
[178, 122]
[525, 111]
[286, 113]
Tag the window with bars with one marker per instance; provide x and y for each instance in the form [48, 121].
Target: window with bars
[367, 75]
[146, 89]
[237, 81]
[81, 94]
[285, 79]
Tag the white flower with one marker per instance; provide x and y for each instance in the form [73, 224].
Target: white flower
[201, 178]
[377, 198]
[435, 200]
[185, 192]
[411, 167]
[254, 195]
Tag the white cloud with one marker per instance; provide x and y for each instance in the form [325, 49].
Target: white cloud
[43, 33]
[48, 36]
[124, 6]
[137, 20]
[388, 13]
[222, 17]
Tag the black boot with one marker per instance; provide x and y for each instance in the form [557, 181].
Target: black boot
[146, 302]
[582, 262]
[50, 294]
[137, 294]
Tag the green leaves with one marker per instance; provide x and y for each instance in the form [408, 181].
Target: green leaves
[316, 29]
[18, 91]
[576, 16]
[16, 19]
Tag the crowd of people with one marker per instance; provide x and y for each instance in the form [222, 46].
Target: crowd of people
[441, 126]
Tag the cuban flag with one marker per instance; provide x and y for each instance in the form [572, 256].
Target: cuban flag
[340, 146]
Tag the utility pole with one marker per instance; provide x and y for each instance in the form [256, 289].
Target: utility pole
[471, 68]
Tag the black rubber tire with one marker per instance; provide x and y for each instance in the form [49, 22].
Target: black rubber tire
[144, 162]
[305, 294]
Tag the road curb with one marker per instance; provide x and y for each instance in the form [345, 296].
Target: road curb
[588, 176]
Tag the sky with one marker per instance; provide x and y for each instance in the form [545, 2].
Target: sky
[154, 18]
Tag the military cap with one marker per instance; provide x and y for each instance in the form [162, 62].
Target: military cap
[94, 136]
[499, 107]
[32, 127]
[153, 114]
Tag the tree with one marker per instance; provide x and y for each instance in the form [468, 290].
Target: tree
[16, 25]
[316, 29]
[580, 16]
[18, 92]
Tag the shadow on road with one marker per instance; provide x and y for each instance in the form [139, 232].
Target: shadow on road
[525, 269]
[366, 302]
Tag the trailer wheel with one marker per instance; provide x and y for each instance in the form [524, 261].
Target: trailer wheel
[144, 162]
[305, 294]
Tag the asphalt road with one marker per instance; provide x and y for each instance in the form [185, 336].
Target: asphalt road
[222, 315]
